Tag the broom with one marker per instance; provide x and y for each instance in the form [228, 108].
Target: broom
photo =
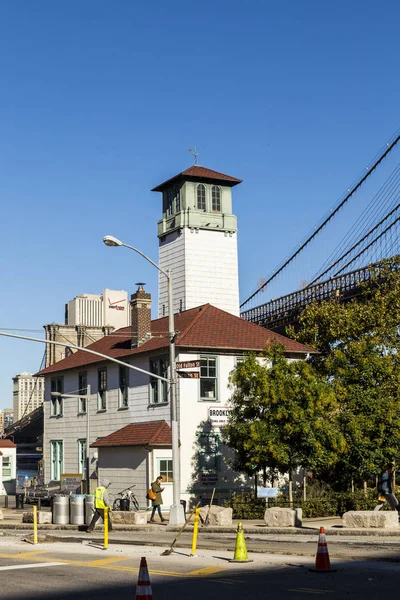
[170, 550]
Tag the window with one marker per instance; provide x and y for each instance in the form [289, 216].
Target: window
[82, 387]
[201, 196]
[170, 201]
[177, 199]
[7, 466]
[158, 388]
[57, 459]
[208, 451]
[102, 389]
[216, 198]
[208, 378]
[82, 458]
[123, 387]
[57, 385]
[165, 469]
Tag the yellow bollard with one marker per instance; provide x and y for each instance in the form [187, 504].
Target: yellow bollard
[195, 531]
[35, 525]
[105, 528]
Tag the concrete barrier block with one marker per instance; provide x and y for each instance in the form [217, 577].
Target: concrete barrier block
[43, 517]
[283, 517]
[359, 519]
[129, 517]
[1, 515]
[218, 515]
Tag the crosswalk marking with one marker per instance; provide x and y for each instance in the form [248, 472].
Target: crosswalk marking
[31, 566]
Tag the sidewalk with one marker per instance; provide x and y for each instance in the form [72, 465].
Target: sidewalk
[333, 527]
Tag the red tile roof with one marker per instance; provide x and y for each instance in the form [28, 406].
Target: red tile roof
[199, 173]
[7, 444]
[204, 327]
[150, 433]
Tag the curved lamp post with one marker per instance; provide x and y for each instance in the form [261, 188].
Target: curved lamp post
[176, 516]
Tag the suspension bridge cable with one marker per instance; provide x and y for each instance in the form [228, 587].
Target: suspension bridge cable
[333, 212]
[366, 248]
[381, 203]
[332, 266]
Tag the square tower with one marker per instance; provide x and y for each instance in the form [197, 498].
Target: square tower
[198, 241]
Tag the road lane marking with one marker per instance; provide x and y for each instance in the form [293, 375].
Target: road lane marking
[106, 561]
[31, 553]
[31, 566]
[198, 573]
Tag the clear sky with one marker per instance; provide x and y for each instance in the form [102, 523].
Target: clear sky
[101, 100]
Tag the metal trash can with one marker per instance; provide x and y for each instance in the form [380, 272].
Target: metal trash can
[19, 501]
[77, 509]
[89, 509]
[124, 504]
[61, 509]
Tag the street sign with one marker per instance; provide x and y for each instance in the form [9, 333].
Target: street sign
[71, 483]
[219, 416]
[263, 492]
[188, 375]
[188, 364]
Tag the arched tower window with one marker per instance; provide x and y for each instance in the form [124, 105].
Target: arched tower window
[201, 196]
[216, 198]
[177, 199]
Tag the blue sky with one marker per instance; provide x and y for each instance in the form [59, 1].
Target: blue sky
[101, 100]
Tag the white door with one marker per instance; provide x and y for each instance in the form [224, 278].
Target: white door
[164, 468]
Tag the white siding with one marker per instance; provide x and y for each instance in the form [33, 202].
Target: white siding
[205, 270]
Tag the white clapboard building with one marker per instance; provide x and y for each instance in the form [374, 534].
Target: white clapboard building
[130, 415]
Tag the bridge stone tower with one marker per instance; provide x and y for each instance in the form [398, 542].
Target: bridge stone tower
[198, 241]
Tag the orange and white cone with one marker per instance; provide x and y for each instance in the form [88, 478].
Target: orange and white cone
[143, 588]
[322, 562]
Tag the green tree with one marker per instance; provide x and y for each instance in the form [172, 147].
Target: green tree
[358, 344]
[283, 416]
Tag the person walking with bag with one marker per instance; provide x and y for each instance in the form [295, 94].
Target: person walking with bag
[157, 501]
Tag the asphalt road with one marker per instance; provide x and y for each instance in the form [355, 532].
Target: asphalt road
[78, 571]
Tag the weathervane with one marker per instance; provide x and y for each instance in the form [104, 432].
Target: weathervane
[195, 152]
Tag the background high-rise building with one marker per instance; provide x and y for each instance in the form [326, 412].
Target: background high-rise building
[8, 417]
[110, 308]
[28, 394]
[88, 318]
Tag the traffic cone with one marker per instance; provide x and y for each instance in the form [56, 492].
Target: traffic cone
[143, 588]
[240, 547]
[322, 562]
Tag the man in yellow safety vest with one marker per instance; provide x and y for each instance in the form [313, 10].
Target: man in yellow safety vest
[100, 503]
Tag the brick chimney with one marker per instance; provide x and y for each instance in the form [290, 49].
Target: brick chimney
[140, 316]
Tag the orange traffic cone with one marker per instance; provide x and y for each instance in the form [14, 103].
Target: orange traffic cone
[143, 588]
[322, 562]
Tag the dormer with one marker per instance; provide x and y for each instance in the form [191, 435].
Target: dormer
[197, 198]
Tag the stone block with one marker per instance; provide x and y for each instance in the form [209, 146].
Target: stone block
[129, 517]
[43, 517]
[218, 515]
[359, 519]
[1, 515]
[283, 517]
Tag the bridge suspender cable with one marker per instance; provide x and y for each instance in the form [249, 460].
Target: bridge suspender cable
[328, 218]
[337, 262]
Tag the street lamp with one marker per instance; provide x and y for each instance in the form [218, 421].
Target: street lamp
[176, 516]
[87, 398]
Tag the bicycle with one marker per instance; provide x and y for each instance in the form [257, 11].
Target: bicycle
[126, 494]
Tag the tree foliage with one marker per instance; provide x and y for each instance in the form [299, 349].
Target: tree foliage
[283, 416]
[358, 344]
